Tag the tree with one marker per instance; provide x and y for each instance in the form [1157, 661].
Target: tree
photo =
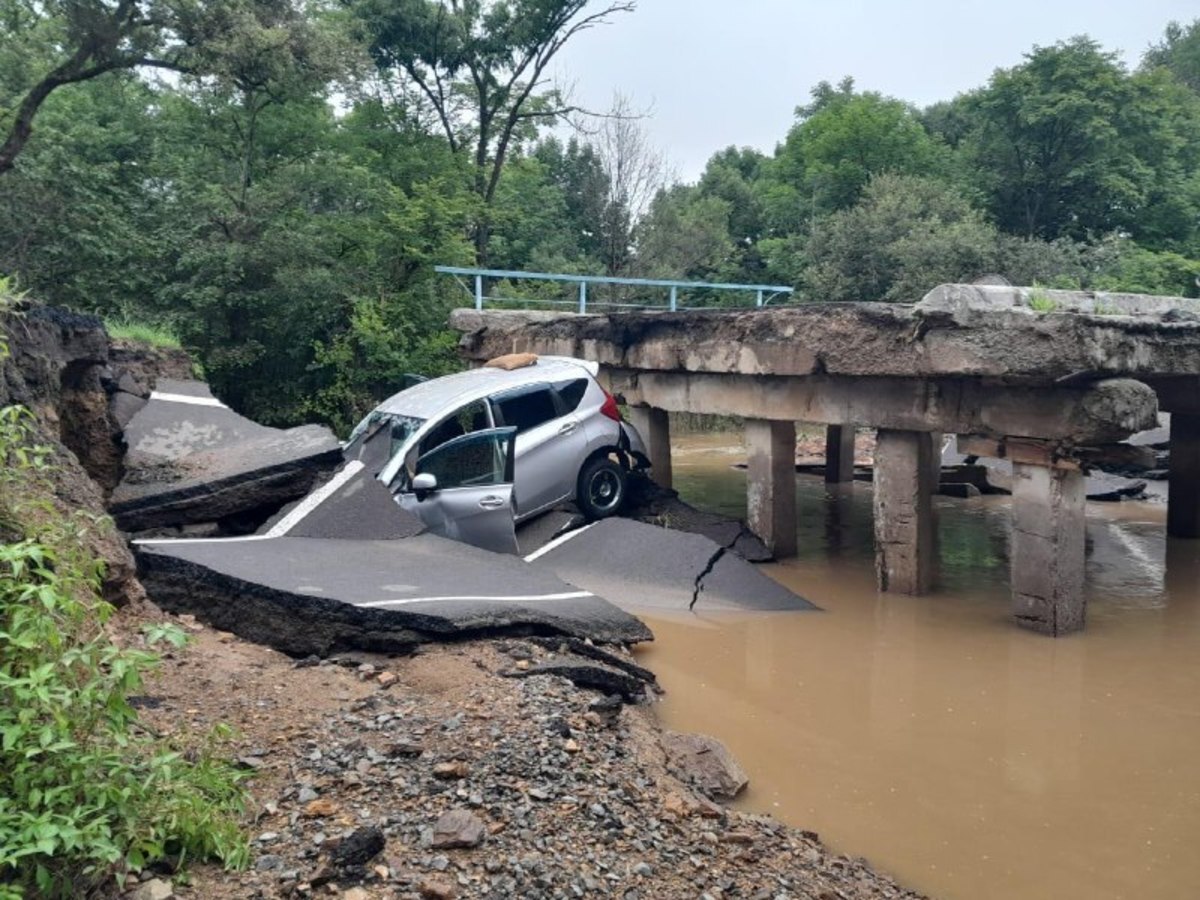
[1179, 53]
[481, 66]
[66, 42]
[907, 235]
[840, 141]
[1050, 143]
[683, 235]
[635, 172]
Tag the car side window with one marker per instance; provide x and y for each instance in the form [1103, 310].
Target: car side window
[470, 418]
[571, 393]
[476, 460]
[526, 409]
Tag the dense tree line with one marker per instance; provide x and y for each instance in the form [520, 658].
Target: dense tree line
[274, 180]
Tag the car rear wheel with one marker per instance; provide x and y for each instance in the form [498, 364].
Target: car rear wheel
[601, 488]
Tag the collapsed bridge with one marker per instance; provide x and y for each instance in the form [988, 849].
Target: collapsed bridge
[1053, 381]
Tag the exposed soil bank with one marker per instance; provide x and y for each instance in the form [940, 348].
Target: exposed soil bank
[557, 795]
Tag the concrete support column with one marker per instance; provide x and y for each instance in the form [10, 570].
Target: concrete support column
[937, 441]
[839, 454]
[771, 484]
[905, 530]
[1183, 504]
[655, 428]
[1047, 549]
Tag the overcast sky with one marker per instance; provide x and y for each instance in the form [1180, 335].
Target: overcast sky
[720, 72]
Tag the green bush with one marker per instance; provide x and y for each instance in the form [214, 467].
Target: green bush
[86, 794]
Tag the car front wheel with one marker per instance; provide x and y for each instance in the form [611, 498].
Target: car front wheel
[601, 488]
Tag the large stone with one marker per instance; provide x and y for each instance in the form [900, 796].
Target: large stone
[359, 847]
[706, 763]
[458, 828]
[154, 889]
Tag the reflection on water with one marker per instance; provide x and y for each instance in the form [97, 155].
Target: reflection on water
[969, 758]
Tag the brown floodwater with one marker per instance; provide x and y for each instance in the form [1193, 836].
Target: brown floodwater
[964, 756]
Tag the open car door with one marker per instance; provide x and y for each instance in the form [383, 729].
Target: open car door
[462, 490]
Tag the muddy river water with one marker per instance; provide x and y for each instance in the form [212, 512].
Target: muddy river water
[966, 757]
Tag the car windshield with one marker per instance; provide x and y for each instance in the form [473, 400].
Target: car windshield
[399, 428]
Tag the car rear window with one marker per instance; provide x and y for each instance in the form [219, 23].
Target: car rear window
[528, 409]
[571, 393]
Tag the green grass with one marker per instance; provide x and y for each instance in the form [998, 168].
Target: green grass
[143, 332]
[1040, 301]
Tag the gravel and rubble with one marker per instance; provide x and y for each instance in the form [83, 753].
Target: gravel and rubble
[435, 776]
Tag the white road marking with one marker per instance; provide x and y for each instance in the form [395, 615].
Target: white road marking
[185, 398]
[208, 540]
[315, 499]
[517, 598]
[557, 542]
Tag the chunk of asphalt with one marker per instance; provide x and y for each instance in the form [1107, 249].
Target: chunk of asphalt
[358, 508]
[590, 674]
[191, 459]
[321, 596]
[641, 566]
[582, 648]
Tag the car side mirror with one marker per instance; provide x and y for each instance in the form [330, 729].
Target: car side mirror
[424, 484]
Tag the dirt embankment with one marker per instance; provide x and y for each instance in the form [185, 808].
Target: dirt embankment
[441, 775]
[58, 366]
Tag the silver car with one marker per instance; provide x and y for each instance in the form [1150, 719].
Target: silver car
[473, 454]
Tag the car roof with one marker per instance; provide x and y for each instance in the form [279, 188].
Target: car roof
[430, 398]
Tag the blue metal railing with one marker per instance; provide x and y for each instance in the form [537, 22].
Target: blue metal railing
[763, 293]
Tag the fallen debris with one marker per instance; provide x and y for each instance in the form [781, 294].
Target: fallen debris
[571, 802]
[193, 460]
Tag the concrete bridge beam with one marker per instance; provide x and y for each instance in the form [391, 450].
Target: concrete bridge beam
[839, 454]
[654, 425]
[1047, 548]
[1183, 500]
[771, 484]
[905, 529]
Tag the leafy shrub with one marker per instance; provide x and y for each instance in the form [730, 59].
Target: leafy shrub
[85, 792]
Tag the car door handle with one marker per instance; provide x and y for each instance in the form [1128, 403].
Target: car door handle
[491, 502]
[568, 427]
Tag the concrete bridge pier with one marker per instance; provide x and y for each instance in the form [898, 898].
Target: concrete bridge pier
[771, 484]
[905, 529]
[654, 425]
[839, 454]
[1047, 547]
[1183, 502]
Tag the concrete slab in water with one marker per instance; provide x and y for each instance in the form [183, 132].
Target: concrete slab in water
[643, 566]
[311, 595]
[192, 459]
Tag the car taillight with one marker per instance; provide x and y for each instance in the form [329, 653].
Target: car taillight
[610, 408]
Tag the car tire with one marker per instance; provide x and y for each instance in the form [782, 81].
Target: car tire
[601, 489]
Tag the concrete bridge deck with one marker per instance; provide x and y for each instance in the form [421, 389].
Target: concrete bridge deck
[1053, 389]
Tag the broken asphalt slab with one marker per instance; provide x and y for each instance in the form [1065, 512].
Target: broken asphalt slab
[644, 566]
[320, 596]
[191, 459]
[352, 505]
